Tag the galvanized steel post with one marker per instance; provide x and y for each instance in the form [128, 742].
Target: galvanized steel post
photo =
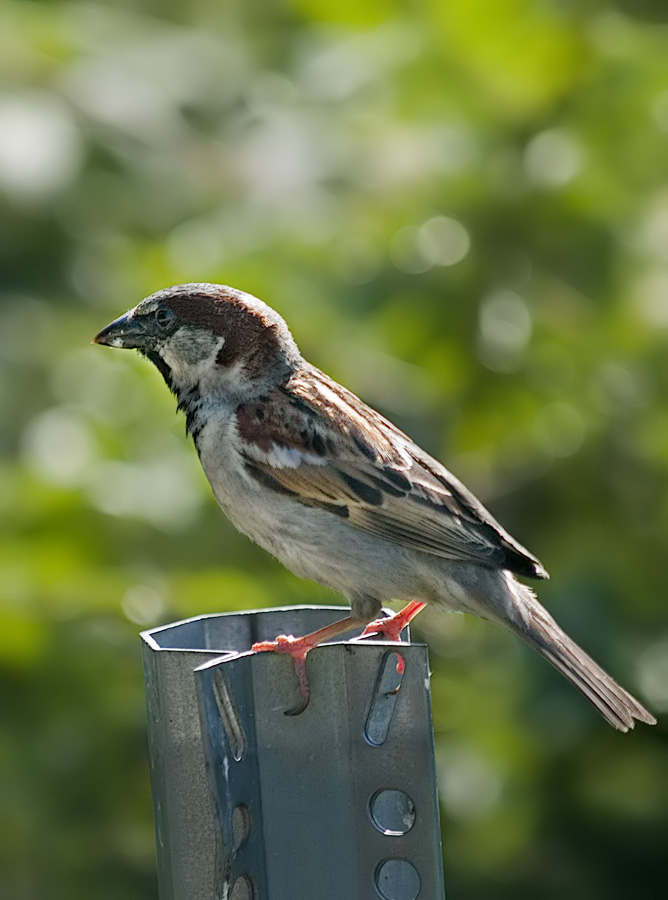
[338, 803]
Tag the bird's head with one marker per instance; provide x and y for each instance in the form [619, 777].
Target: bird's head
[208, 336]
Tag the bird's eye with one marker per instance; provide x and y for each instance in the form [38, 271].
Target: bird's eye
[163, 316]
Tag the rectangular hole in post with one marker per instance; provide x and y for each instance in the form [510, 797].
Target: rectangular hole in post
[384, 698]
[231, 724]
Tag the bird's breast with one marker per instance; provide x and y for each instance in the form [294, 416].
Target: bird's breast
[270, 519]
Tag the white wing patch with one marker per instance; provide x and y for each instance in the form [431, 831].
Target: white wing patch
[282, 457]
[279, 456]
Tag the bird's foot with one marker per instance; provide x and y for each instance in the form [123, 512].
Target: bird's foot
[297, 648]
[392, 626]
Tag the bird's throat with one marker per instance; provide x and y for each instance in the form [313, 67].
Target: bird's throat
[189, 399]
[161, 366]
[190, 402]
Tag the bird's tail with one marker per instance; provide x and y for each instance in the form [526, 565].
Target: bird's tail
[537, 627]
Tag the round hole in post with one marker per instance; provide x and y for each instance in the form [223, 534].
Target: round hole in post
[397, 879]
[241, 824]
[243, 889]
[392, 811]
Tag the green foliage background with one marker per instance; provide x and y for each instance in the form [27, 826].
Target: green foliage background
[461, 208]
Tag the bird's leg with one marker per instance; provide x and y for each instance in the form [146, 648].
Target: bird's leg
[298, 647]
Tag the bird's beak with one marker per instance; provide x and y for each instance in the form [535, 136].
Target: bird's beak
[128, 332]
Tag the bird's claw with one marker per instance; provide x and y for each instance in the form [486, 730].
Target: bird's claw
[387, 627]
[392, 626]
[297, 648]
[301, 706]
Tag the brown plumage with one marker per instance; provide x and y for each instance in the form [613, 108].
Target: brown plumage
[334, 490]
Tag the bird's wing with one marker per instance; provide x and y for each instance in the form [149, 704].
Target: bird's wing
[317, 442]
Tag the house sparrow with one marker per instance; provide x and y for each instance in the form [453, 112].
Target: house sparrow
[335, 491]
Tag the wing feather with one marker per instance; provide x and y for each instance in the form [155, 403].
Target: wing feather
[360, 467]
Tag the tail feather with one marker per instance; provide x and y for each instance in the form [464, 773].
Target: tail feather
[541, 632]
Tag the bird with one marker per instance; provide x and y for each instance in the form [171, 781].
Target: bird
[335, 491]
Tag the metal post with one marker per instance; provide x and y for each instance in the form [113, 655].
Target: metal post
[338, 803]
